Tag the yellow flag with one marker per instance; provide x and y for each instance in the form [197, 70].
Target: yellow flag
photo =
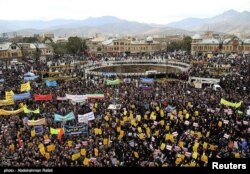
[83, 152]
[161, 113]
[167, 137]
[141, 136]
[105, 141]
[156, 133]
[152, 116]
[136, 154]
[205, 145]
[171, 117]
[96, 131]
[138, 118]
[47, 156]
[51, 148]
[163, 146]
[187, 116]
[212, 147]
[42, 151]
[196, 113]
[204, 158]
[148, 132]
[118, 129]
[96, 151]
[25, 87]
[125, 118]
[171, 138]
[70, 143]
[106, 118]
[195, 155]
[178, 161]
[208, 133]
[192, 164]
[133, 122]
[139, 129]
[237, 155]
[199, 134]
[184, 111]
[86, 162]
[41, 146]
[219, 123]
[167, 128]
[100, 131]
[122, 133]
[33, 133]
[75, 156]
[192, 133]
[162, 122]
[181, 143]
[12, 147]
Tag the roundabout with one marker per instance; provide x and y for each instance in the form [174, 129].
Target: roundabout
[137, 68]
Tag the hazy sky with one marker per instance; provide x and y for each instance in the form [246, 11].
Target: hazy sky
[149, 11]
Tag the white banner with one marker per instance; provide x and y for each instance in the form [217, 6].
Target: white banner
[76, 98]
[86, 117]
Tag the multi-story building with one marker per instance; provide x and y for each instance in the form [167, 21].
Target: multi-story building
[10, 50]
[210, 45]
[128, 46]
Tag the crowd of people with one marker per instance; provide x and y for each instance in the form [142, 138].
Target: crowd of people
[169, 123]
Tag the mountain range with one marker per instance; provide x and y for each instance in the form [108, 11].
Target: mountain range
[228, 22]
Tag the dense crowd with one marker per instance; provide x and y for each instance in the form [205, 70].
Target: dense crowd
[169, 123]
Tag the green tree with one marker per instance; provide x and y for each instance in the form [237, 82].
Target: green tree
[186, 43]
[75, 45]
[59, 48]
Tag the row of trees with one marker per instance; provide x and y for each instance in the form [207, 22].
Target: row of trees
[184, 44]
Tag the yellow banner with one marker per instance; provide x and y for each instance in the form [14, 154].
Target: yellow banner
[227, 103]
[5, 112]
[6, 102]
[36, 122]
[25, 87]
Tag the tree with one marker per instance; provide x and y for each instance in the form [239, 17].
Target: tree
[59, 48]
[186, 43]
[75, 45]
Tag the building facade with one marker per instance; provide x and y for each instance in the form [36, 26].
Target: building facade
[10, 50]
[208, 44]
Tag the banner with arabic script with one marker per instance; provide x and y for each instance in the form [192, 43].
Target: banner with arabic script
[72, 130]
[51, 83]
[42, 97]
[60, 118]
[36, 122]
[22, 96]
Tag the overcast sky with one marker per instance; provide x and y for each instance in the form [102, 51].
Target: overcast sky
[149, 11]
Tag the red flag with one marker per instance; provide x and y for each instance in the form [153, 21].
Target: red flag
[59, 137]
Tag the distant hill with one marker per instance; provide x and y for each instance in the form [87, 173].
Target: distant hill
[106, 25]
[230, 22]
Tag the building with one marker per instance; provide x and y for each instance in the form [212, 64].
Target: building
[212, 44]
[10, 50]
[123, 46]
[94, 44]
